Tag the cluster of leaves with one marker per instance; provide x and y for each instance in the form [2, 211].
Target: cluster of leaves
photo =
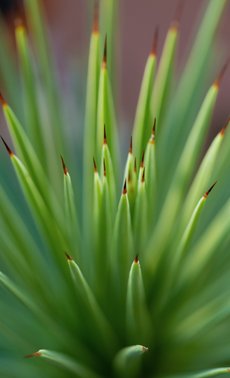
[124, 285]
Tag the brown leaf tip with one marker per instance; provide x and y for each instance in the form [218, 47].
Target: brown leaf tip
[142, 159]
[94, 165]
[35, 354]
[177, 16]
[209, 190]
[2, 100]
[136, 260]
[143, 176]
[65, 170]
[222, 131]
[219, 78]
[152, 138]
[10, 152]
[96, 18]
[105, 138]
[104, 61]
[145, 349]
[155, 42]
[69, 258]
[135, 165]
[131, 145]
[124, 191]
[19, 23]
[104, 166]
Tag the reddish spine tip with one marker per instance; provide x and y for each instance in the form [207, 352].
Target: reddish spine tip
[69, 258]
[104, 61]
[155, 42]
[2, 100]
[219, 78]
[209, 190]
[131, 145]
[94, 165]
[65, 170]
[142, 159]
[7, 147]
[35, 354]
[96, 18]
[105, 138]
[136, 260]
[124, 188]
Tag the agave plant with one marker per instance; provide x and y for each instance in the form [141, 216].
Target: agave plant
[111, 274]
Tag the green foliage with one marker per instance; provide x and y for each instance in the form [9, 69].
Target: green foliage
[132, 278]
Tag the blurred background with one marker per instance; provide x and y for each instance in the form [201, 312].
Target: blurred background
[69, 23]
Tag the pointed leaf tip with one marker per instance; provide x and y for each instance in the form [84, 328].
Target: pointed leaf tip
[94, 165]
[209, 190]
[124, 188]
[155, 41]
[105, 138]
[2, 100]
[65, 170]
[219, 78]
[96, 17]
[136, 260]
[142, 159]
[10, 152]
[68, 257]
[222, 131]
[135, 165]
[131, 145]
[104, 62]
[178, 15]
[35, 354]
[104, 165]
[143, 176]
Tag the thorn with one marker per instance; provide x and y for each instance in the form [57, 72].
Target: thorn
[10, 152]
[219, 78]
[155, 42]
[124, 188]
[2, 100]
[209, 190]
[96, 17]
[35, 354]
[104, 61]
[222, 131]
[177, 16]
[136, 260]
[65, 170]
[142, 159]
[131, 145]
[105, 139]
[69, 258]
[94, 165]
[143, 176]
[104, 167]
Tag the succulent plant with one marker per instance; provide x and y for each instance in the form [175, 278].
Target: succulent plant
[111, 274]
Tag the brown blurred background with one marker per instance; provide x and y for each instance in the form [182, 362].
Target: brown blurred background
[69, 24]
